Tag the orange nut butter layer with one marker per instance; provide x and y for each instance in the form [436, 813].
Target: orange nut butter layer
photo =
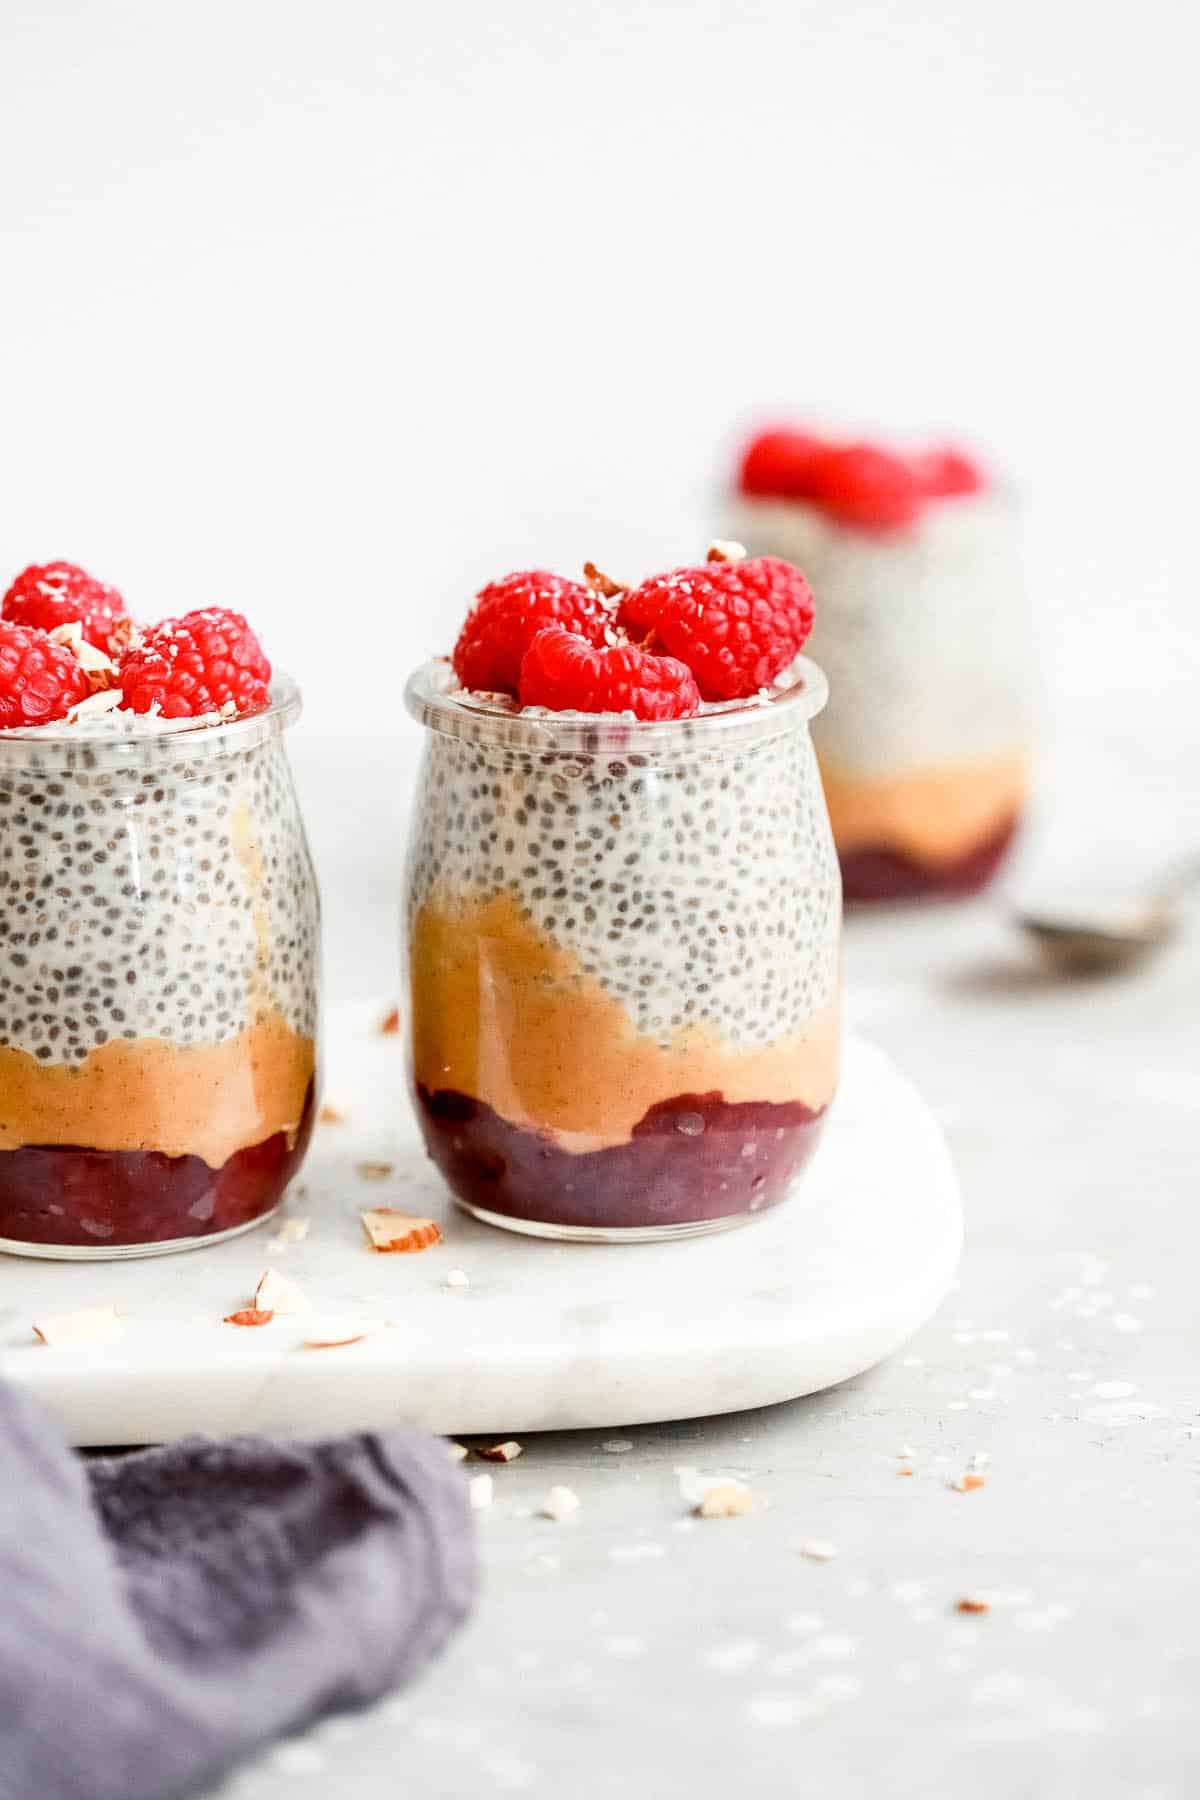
[504, 1016]
[206, 1100]
[934, 816]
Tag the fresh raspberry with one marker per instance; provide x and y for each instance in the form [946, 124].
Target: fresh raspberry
[564, 672]
[947, 473]
[507, 616]
[870, 488]
[735, 624]
[195, 665]
[781, 464]
[48, 595]
[39, 679]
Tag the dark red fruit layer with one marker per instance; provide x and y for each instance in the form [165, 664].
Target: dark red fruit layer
[670, 1172]
[882, 874]
[62, 1194]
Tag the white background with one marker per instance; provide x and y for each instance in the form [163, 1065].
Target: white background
[330, 313]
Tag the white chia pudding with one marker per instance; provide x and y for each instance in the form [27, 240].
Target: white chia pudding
[605, 915]
[159, 963]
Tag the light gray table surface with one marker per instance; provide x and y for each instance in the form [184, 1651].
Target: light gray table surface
[636, 1651]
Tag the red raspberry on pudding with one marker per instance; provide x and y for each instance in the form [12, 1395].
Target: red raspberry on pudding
[507, 616]
[195, 665]
[39, 679]
[564, 672]
[871, 488]
[947, 473]
[782, 464]
[47, 595]
[736, 625]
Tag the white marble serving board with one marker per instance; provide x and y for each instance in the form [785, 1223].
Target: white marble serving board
[546, 1335]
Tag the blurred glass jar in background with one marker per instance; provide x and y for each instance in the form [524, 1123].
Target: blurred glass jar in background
[159, 975]
[922, 628]
[622, 945]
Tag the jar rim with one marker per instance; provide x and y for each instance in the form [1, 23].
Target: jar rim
[41, 746]
[434, 699]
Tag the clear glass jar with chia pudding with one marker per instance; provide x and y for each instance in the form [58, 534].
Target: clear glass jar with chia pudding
[159, 981]
[623, 959]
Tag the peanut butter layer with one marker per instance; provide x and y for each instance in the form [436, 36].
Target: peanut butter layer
[502, 1015]
[206, 1100]
[934, 816]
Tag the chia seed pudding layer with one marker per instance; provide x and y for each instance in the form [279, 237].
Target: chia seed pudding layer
[618, 930]
[925, 636]
[159, 954]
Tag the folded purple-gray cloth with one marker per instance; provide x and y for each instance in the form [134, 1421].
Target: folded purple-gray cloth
[165, 1614]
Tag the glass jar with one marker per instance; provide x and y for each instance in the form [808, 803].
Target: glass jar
[925, 635]
[622, 950]
[159, 973]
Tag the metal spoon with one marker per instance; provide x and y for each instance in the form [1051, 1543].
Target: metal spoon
[1099, 936]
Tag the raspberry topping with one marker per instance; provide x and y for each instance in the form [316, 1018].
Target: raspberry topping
[781, 464]
[48, 595]
[862, 485]
[507, 616]
[870, 488]
[735, 624]
[946, 473]
[197, 664]
[39, 679]
[564, 672]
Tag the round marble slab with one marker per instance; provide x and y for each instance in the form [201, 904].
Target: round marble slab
[546, 1335]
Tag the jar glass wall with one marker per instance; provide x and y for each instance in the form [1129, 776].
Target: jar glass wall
[622, 944]
[159, 977]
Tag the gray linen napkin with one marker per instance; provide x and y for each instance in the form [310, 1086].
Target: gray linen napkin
[164, 1614]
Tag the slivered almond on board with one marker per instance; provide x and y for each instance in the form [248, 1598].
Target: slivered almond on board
[389, 1025]
[397, 1232]
[331, 1334]
[506, 1452]
[89, 1325]
[373, 1171]
[275, 1293]
[331, 1115]
[250, 1315]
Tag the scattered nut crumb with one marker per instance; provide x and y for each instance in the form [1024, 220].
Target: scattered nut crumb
[603, 584]
[399, 1233]
[559, 1504]
[250, 1315]
[458, 1278]
[330, 1334]
[480, 1489]
[331, 1115]
[905, 1469]
[278, 1294]
[818, 1549]
[458, 1452]
[389, 1025]
[506, 1452]
[728, 1500]
[974, 1603]
[967, 1484]
[725, 550]
[291, 1231]
[88, 1325]
[374, 1171]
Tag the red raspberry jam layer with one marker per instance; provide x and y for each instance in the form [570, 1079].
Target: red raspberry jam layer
[692, 1158]
[100, 1199]
[884, 874]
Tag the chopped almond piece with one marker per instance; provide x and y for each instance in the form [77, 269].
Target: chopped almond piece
[973, 1603]
[89, 1325]
[967, 1484]
[331, 1115]
[727, 1500]
[724, 550]
[374, 1171]
[400, 1233]
[602, 583]
[817, 1549]
[250, 1315]
[389, 1025]
[277, 1294]
[291, 1231]
[458, 1452]
[505, 1452]
[331, 1334]
[559, 1504]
